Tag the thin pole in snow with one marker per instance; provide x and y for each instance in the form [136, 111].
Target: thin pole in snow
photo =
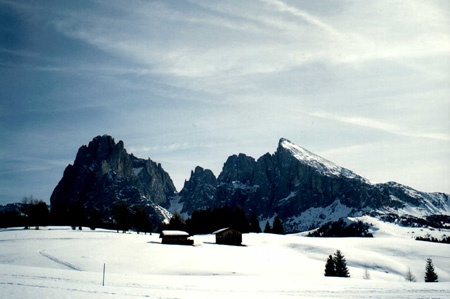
[104, 266]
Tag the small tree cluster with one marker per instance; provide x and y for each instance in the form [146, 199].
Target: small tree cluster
[77, 214]
[127, 217]
[336, 265]
[206, 221]
[35, 212]
[175, 223]
[277, 227]
[254, 224]
[429, 238]
[141, 220]
[342, 228]
[121, 215]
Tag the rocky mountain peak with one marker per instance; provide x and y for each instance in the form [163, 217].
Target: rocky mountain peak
[306, 190]
[321, 165]
[199, 191]
[237, 168]
[103, 172]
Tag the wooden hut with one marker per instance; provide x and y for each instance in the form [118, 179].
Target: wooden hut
[228, 236]
[175, 237]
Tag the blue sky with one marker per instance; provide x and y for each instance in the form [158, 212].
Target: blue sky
[186, 83]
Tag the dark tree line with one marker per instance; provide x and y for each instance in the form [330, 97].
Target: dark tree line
[429, 238]
[342, 229]
[206, 221]
[277, 227]
[123, 217]
[30, 212]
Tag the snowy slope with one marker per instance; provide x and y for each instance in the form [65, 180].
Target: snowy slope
[324, 166]
[415, 203]
[61, 263]
[430, 203]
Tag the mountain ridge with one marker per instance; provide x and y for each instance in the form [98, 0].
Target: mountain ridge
[306, 190]
[303, 189]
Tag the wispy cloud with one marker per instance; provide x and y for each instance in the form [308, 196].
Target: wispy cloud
[379, 125]
[198, 80]
[283, 7]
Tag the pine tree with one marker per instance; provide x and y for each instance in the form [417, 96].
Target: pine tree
[239, 220]
[121, 214]
[176, 223]
[254, 224]
[409, 276]
[267, 228]
[277, 226]
[330, 267]
[142, 221]
[95, 219]
[77, 214]
[340, 264]
[430, 275]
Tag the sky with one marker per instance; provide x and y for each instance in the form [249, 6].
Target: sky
[365, 84]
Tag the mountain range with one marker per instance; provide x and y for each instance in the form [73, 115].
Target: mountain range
[303, 189]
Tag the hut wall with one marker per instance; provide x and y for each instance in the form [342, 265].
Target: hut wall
[230, 237]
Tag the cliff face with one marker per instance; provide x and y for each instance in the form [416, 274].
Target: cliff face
[199, 192]
[103, 172]
[304, 190]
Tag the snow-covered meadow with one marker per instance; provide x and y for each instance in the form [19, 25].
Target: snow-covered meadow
[57, 262]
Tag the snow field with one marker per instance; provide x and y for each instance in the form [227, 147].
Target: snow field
[62, 263]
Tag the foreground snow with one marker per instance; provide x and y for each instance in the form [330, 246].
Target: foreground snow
[61, 263]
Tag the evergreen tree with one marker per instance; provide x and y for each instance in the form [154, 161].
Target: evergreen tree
[25, 210]
[176, 223]
[277, 226]
[141, 220]
[238, 220]
[95, 219]
[330, 269]
[254, 224]
[267, 228]
[430, 275]
[340, 264]
[409, 276]
[77, 214]
[39, 213]
[121, 215]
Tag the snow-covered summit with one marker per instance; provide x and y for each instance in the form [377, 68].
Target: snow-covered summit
[322, 165]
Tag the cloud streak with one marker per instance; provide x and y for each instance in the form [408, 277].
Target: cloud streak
[379, 125]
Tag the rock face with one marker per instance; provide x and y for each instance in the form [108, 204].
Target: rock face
[200, 191]
[103, 172]
[302, 189]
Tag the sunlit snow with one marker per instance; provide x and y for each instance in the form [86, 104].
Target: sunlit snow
[63, 263]
[324, 166]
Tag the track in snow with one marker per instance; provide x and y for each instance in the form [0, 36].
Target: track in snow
[57, 260]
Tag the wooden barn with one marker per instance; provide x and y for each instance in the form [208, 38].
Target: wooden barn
[228, 236]
[175, 237]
